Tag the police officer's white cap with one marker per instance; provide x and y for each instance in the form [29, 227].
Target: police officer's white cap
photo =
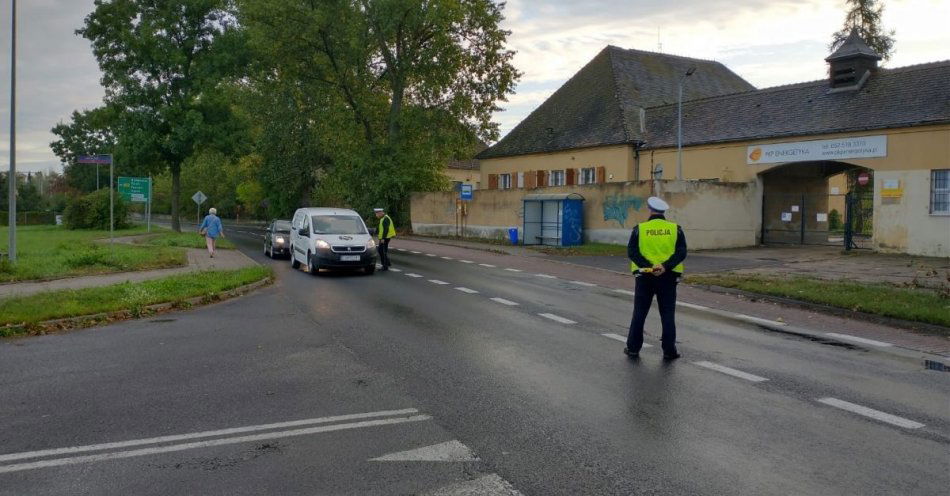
[376, 210]
[657, 204]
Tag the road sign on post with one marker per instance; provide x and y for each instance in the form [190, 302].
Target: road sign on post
[466, 192]
[199, 198]
[134, 189]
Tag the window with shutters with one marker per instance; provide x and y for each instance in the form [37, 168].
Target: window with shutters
[556, 178]
[588, 176]
[940, 192]
[504, 181]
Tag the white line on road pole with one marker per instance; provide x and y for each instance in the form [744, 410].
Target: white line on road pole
[413, 274]
[871, 413]
[490, 266]
[622, 339]
[467, 290]
[436, 281]
[198, 435]
[557, 318]
[206, 444]
[730, 371]
[466, 261]
[582, 283]
[546, 276]
[504, 301]
[691, 305]
[856, 339]
[624, 292]
[513, 270]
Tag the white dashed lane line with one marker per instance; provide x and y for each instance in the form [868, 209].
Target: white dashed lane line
[730, 371]
[393, 269]
[758, 320]
[624, 292]
[871, 413]
[546, 276]
[431, 255]
[513, 270]
[490, 266]
[436, 281]
[412, 274]
[690, 305]
[870, 342]
[622, 339]
[447, 258]
[582, 283]
[401, 249]
[557, 318]
[416, 252]
[467, 290]
[504, 302]
[466, 261]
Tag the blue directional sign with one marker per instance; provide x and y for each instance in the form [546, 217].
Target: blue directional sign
[94, 159]
[466, 192]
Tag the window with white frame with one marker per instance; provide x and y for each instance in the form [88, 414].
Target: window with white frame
[940, 192]
[556, 178]
[588, 176]
[504, 181]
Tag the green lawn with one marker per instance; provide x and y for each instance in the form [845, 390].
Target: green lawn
[182, 240]
[50, 252]
[917, 305]
[16, 312]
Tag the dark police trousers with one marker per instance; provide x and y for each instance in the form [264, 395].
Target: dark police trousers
[384, 252]
[664, 287]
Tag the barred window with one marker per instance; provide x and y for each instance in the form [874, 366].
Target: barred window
[940, 192]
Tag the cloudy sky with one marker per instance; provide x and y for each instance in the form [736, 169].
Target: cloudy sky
[768, 42]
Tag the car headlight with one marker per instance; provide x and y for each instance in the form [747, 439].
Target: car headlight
[370, 244]
[279, 239]
[323, 244]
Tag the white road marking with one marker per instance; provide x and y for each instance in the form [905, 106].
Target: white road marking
[758, 320]
[624, 291]
[513, 270]
[490, 266]
[856, 339]
[730, 371]
[557, 318]
[871, 413]
[401, 249]
[466, 261]
[416, 252]
[413, 274]
[546, 276]
[198, 435]
[450, 451]
[486, 485]
[623, 339]
[395, 269]
[504, 301]
[582, 283]
[447, 258]
[436, 281]
[691, 305]
[467, 290]
[431, 255]
[56, 462]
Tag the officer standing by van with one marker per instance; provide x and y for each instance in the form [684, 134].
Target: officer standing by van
[386, 231]
[656, 250]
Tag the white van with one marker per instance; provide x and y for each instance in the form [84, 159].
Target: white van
[324, 238]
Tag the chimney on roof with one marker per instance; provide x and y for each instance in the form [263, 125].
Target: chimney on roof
[851, 64]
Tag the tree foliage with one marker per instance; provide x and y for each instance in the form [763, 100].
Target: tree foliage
[87, 132]
[865, 16]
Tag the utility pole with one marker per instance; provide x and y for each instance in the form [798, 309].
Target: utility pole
[11, 179]
[679, 126]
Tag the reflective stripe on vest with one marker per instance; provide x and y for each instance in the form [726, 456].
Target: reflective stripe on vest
[657, 242]
[391, 233]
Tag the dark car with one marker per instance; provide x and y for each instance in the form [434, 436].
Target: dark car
[277, 239]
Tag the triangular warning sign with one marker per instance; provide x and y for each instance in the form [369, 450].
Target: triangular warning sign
[450, 451]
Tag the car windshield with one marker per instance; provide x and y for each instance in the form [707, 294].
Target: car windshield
[282, 226]
[338, 224]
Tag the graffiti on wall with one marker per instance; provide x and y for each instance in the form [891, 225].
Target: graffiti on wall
[617, 206]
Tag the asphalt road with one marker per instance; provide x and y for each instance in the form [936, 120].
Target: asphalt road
[511, 375]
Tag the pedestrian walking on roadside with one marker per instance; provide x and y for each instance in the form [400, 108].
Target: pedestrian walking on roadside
[656, 250]
[386, 232]
[211, 228]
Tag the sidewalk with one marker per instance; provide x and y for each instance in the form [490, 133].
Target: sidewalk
[613, 274]
[198, 260]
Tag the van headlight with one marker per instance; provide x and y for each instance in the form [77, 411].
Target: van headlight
[323, 245]
[370, 244]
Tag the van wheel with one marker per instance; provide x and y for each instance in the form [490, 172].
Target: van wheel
[312, 268]
[293, 259]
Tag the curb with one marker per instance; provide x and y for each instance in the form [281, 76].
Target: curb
[84, 321]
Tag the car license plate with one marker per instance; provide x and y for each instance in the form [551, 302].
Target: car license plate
[349, 258]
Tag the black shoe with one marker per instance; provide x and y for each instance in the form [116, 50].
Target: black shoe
[671, 356]
[631, 354]
[384, 269]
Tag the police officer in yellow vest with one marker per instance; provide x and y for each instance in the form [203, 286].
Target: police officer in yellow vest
[656, 249]
[386, 231]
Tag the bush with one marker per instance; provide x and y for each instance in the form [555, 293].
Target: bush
[92, 212]
[834, 220]
[29, 218]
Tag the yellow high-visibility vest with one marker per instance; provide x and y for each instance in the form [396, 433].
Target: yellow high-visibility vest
[391, 233]
[657, 242]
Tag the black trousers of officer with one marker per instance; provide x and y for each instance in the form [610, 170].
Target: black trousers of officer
[384, 252]
[664, 288]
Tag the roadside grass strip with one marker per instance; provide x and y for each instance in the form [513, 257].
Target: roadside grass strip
[127, 296]
[311, 426]
[871, 413]
[504, 302]
[183, 240]
[557, 318]
[730, 371]
[466, 290]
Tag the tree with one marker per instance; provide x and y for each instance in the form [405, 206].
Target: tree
[166, 65]
[88, 132]
[29, 198]
[865, 16]
[394, 88]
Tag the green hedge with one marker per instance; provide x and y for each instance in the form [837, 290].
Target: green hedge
[92, 212]
[32, 218]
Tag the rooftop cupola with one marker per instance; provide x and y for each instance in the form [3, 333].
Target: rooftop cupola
[852, 63]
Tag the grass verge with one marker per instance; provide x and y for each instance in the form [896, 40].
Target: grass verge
[48, 252]
[586, 249]
[182, 240]
[918, 305]
[21, 314]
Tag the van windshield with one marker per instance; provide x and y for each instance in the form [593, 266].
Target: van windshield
[338, 224]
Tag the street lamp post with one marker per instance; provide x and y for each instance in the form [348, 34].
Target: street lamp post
[679, 125]
[11, 178]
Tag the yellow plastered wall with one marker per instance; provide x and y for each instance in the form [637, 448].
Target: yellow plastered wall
[617, 161]
[465, 176]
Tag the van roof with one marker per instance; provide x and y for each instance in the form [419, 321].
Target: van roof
[326, 211]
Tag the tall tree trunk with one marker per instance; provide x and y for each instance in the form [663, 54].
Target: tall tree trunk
[176, 195]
